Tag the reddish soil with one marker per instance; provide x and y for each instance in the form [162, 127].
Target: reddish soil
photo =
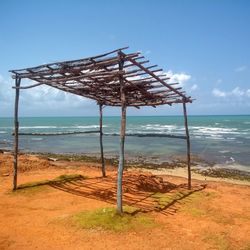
[213, 217]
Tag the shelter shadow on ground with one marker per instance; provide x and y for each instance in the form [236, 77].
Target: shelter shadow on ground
[144, 191]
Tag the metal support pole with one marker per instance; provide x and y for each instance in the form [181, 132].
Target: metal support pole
[16, 125]
[101, 144]
[122, 138]
[188, 145]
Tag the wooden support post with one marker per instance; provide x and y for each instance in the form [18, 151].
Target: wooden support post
[16, 125]
[101, 144]
[188, 145]
[122, 138]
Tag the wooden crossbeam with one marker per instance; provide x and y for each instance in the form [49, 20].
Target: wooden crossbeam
[158, 78]
[71, 61]
[98, 78]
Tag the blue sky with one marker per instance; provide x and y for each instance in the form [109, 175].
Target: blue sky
[203, 44]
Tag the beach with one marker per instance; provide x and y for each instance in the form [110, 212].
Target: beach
[215, 215]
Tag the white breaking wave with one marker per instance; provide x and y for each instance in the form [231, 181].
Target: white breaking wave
[214, 137]
[89, 126]
[231, 160]
[214, 130]
[159, 127]
[214, 133]
[60, 127]
[39, 127]
[224, 151]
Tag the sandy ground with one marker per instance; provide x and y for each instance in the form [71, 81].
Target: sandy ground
[216, 217]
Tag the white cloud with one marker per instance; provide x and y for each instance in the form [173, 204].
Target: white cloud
[51, 97]
[218, 93]
[194, 87]
[6, 91]
[181, 78]
[219, 81]
[38, 98]
[248, 92]
[236, 92]
[44, 99]
[241, 68]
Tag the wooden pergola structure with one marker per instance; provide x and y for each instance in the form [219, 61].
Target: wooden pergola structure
[115, 78]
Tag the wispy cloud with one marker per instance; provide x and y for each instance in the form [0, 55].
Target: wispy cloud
[219, 81]
[236, 92]
[112, 37]
[6, 92]
[218, 93]
[43, 97]
[241, 68]
[194, 87]
[51, 97]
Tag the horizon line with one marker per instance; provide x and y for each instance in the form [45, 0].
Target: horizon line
[127, 116]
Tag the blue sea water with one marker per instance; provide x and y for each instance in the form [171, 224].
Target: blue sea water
[219, 139]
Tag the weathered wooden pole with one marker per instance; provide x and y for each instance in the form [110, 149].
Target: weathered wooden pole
[122, 138]
[101, 144]
[188, 144]
[16, 125]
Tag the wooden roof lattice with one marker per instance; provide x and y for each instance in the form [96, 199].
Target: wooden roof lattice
[99, 77]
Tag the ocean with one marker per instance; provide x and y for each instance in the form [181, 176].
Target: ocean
[224, 140]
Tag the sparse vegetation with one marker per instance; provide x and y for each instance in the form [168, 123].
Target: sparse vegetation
[108, 219]
[195, 205]
[166, 199]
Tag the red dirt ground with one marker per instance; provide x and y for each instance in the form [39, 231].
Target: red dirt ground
[216, 217]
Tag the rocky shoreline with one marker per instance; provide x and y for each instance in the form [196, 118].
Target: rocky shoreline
[199, 166]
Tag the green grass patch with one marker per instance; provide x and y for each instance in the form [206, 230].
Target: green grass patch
[59, 179]
[108, 219]
[164, 200]
[195, 212]
[198, 204]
